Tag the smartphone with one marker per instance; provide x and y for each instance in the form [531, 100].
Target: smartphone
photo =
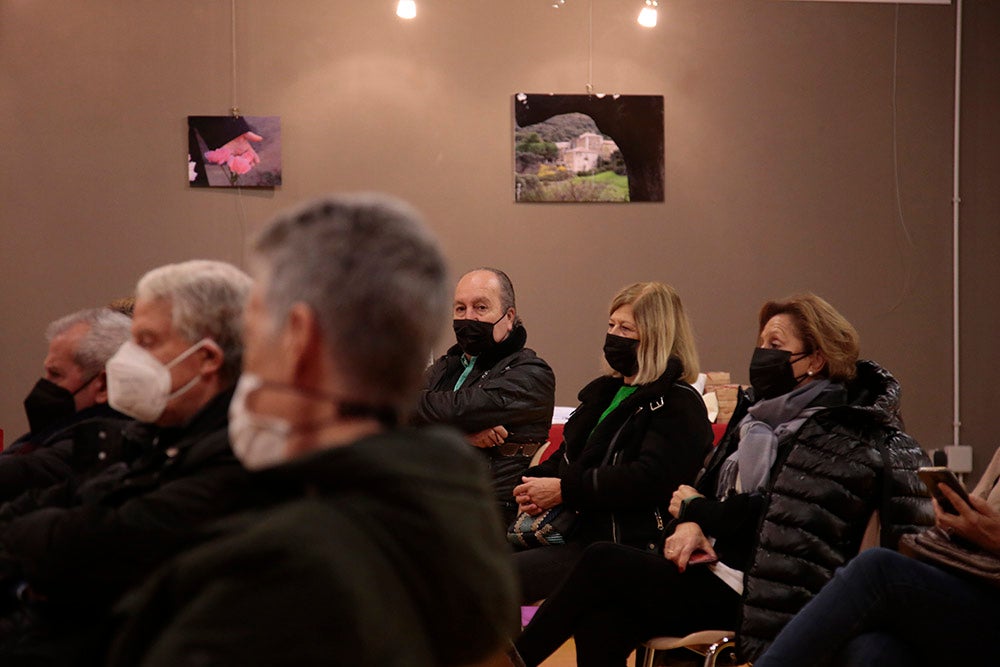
[700, 557]
[934, 475]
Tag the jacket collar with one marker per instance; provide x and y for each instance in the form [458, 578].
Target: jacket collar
[213, 416]
[368, 462]
[874, 390]
[96, 411]
[609, 384]
[65, 429]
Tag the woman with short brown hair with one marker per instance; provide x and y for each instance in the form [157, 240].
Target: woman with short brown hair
[822, 329]
[810, 453]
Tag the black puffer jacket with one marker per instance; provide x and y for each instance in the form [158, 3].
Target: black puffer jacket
[665, 437]
[825, 485]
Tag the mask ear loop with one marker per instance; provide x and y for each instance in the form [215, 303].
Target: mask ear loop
[184, 355]
[344, 409]
[82, 386]
[799, 378]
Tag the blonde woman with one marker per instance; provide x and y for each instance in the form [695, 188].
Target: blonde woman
[785, 499]
[640, 431]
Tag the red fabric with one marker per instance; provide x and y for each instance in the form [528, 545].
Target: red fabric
[555, 439]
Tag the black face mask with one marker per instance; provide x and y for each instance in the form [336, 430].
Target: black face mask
[771, 373]
[622, 354]
[48, 404]
[475, 337]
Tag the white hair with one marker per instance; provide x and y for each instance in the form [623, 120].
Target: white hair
[207, 299]
[107, 330]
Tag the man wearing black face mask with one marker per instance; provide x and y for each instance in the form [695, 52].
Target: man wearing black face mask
[70, 396]
[489, 385]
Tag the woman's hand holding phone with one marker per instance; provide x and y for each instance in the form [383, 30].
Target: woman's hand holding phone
[976, 520]
[937, 477]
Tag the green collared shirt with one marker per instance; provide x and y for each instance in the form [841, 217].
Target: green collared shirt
[469, 364]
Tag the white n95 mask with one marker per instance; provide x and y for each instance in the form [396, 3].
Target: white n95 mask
[139, 385]
[258, 441]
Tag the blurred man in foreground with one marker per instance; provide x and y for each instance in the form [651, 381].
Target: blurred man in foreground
[386, 551]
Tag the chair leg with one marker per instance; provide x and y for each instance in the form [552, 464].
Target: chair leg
[716, 649]
[649, 658]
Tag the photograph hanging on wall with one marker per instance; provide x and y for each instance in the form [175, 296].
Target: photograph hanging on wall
[234, 151]
[588, 148]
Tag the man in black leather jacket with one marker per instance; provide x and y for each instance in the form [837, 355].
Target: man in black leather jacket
[489, 385]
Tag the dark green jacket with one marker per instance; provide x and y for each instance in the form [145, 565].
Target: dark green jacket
[387, 554]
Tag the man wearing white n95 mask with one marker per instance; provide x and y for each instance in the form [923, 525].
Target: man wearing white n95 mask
[388, 531]
[170, 369]
[90, 540]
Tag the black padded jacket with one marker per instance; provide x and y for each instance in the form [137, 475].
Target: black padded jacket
[844, 463]
[663, 436]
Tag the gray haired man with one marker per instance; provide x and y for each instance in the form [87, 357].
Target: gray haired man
[73, 386]
[68, 405]
[78, 546]
[186, 345]
[389, 532]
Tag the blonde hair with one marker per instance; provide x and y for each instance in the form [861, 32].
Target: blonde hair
[664, 330]
[821, 328]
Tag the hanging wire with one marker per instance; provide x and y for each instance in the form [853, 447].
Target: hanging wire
[590, 49]
[241, 214]
[232, 14]
[556, 4]
[904, 252]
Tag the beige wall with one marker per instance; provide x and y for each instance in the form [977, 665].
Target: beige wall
[779, 167]
[980, 237]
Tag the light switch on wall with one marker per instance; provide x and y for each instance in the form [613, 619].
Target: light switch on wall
[959, 458]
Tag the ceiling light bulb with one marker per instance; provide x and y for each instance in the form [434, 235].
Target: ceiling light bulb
[406, 9]
[647, 17]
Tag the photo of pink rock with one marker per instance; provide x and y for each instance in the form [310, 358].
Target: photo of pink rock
[234, 151]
